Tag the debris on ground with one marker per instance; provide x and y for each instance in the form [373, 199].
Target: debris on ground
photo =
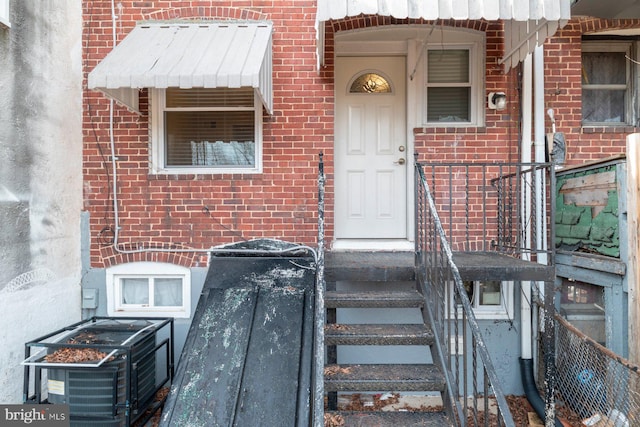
[333, 370]
[519, 406]
[154, 421]
[333, 420]
[337, 327]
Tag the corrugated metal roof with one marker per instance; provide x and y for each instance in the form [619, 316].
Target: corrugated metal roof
[188, 55]
[518, 10]
[529, 21]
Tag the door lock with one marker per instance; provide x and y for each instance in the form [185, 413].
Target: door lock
[400, 161]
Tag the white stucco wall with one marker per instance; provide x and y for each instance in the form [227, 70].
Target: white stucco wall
[40, 177]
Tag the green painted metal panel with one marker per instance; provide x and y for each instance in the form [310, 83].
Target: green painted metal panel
[588, 221]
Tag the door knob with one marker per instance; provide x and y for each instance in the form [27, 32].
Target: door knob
[400, 161]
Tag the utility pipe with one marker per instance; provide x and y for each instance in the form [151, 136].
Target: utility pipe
[526, 361]
[525, 157]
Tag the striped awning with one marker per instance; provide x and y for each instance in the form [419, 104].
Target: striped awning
[188, 55]
[530, 22]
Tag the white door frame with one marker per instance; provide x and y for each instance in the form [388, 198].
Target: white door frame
[408, 50]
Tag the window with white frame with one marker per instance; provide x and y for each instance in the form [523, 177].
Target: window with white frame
[453, 84]
[206, 130]
[490, 299]
[606, 83]
[148, 289]
[4, 13]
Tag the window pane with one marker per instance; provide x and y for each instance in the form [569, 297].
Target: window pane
[210, 138]
[448, 66]
[370, 83]
[167, 292]
[604, 68]
[220, 97]
[603, 106]
[135, 291]
[451, 104]
[490, 292]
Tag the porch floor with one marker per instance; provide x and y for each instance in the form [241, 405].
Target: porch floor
[399, 266]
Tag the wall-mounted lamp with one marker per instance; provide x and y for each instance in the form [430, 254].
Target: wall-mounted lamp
[497, 101]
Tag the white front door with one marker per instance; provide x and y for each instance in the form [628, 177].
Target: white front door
[370, 148]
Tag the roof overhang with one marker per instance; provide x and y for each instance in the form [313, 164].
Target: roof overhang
[528, 23]
[188, 55]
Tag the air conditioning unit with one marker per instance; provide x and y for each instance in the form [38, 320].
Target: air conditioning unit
[108, 370]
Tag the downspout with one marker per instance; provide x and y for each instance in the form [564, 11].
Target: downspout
[114, 159]
[526, 360]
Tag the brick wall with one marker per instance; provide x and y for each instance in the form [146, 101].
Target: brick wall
[206, 210]
[563, 80]
[189, 211]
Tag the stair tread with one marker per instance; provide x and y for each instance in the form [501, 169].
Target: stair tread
[392, 418]
[378, 334]
[353, 299]
[383, 377]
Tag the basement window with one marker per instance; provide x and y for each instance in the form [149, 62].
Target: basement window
[490, 299]
[148, 288]
[204, 131]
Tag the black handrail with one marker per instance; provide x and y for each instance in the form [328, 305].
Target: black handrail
[435, 270]
[319, 315]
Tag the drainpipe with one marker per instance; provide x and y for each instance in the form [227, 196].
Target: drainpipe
[537, 74]
[525, 157]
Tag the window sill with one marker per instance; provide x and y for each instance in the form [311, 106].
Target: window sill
[449, 128]
[488, 315]
[614, 128]
[191, 172]
[158, 312]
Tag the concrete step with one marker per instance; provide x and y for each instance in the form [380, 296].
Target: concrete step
[395, 419]
[370, 334]
[373, 299]
[383, 377]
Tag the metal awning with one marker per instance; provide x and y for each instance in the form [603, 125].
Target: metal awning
[188, 55]
[527, 22]
[619, 9]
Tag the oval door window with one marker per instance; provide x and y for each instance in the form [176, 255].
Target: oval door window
[370, 82]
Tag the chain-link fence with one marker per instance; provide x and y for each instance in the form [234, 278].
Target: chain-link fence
[602, 388]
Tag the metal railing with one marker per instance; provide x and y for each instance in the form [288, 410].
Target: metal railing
[494, 206]
[461, 351]
[319, 314]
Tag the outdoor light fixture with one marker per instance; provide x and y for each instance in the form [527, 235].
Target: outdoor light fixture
[497, 101]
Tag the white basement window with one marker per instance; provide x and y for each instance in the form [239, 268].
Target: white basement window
[204, 131]
[148, 289]
[490, 299]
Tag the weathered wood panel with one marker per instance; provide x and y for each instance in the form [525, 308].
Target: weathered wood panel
[633, 218]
